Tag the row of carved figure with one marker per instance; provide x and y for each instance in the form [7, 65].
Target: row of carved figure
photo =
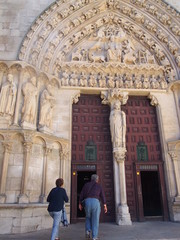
[123, 53]
[113, 80]
[31, 95]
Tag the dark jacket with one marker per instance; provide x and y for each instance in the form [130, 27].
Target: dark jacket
[92, 190]
[56, 199]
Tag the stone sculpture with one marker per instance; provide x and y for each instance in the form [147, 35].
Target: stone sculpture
[8, 96]
[30, 92]
[47, 102]
[117, 125]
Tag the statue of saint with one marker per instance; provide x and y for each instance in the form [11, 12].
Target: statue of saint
[30, 92]
[8, 96]
[117, 126]
[46, 108]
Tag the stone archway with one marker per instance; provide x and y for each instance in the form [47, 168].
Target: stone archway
[128, 32]
[129, 47]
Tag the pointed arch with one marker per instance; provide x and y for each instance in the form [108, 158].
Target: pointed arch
[66, 25]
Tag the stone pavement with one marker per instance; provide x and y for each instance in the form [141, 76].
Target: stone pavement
[109, 231]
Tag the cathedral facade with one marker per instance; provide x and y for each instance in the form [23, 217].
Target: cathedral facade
[94, 88]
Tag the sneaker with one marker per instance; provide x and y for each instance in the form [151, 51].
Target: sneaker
[88, 234]
[95, 239]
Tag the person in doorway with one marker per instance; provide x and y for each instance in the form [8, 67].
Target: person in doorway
[56, 199]
[90, 197]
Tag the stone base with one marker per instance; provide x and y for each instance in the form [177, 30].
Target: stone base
[23, 218]
[43, 199]
[123, 215]
[176, 210]
[177, 199]
[27, 125]
[2, 198]
[22, 198]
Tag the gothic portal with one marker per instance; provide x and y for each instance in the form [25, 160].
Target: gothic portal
[94, 89]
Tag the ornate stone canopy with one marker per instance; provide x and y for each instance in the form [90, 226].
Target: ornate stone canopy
[110, 36]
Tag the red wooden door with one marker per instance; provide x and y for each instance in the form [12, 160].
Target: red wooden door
[142, 128]
[92, 149]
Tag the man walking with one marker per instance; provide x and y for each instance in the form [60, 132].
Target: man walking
[90, 197]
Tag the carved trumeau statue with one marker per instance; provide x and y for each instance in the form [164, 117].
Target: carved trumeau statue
[8, 96]
[30, 92]
[117, 125]
[46, 108]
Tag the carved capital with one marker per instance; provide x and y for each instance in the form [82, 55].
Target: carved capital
[7, 146]
[28, 146]
[173, 155]
[119, 154]
[154, 101]
[112, 95]
[47, 149]
[28, 137]
[64, 152]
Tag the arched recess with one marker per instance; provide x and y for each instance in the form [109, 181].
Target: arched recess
[53, 165]
[35, 170]
[150, 27]
[15, 169]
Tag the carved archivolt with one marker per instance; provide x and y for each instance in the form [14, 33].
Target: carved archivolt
[131, 33]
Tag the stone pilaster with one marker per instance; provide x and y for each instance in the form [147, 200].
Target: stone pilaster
[174, 158]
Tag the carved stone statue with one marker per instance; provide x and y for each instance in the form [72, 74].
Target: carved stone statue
[117, 125]
[30, 92]
[8, 96]
[47, 102]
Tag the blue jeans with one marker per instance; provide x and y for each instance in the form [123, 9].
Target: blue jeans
[56, 221]
[92, 209]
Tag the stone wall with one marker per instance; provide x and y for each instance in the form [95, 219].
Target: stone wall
[25, 218]
[16, 18]
[174, 3]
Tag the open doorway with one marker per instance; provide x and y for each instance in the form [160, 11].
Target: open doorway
[151, 194]
[82, 178]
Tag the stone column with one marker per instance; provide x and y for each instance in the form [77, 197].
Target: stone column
[122, 216]
[44, 176]
[175, 160]
[7, 150]
[23, 197]
[115, 98]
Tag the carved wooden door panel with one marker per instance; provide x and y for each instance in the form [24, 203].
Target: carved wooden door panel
[92, 149]
[143, 148]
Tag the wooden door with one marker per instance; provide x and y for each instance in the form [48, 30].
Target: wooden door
[143, 148]
[92, 150]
